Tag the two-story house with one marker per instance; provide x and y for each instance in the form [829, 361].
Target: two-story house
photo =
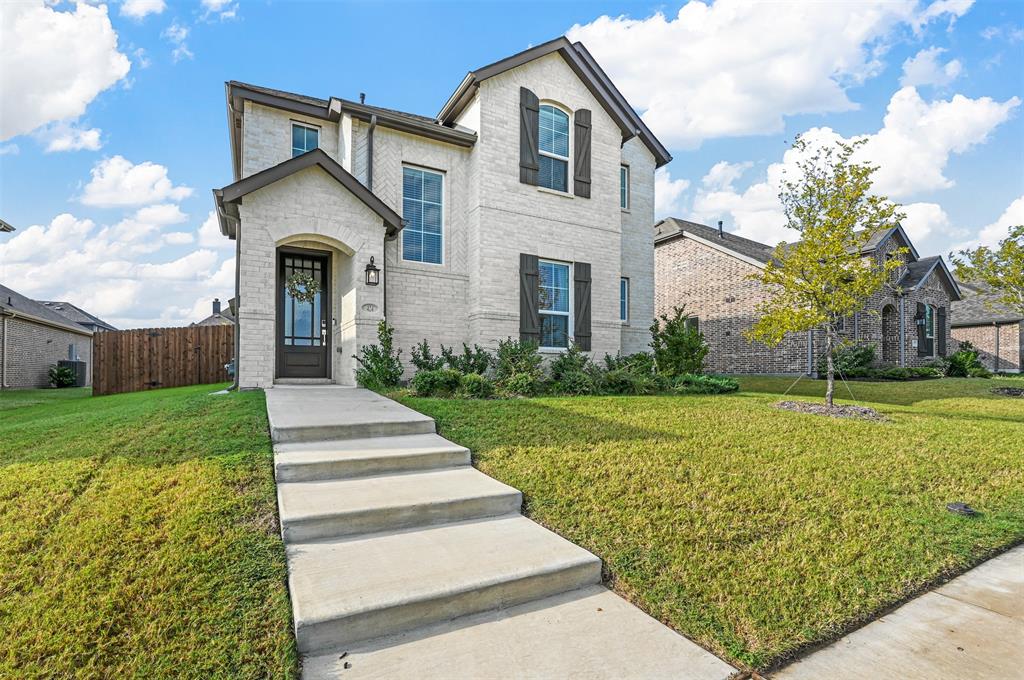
[523, 209]
[710, 272]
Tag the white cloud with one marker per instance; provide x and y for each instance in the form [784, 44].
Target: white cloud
[925, 221]
[176, 34]
[953, 8]
[210, 236]
[668, 194]
[990, 235]
[924, 69]
[67, 136]
[54, 63]
[738, 68]
[723, 174]
[223, 9]
[9, 150]
[117, 181]
[179, 238]
[141, 58]
[138, 9]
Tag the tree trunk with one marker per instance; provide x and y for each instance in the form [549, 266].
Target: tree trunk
[830, 369]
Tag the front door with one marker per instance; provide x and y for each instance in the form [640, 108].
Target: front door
[303, 326]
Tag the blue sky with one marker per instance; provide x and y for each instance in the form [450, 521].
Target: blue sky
[111, 114]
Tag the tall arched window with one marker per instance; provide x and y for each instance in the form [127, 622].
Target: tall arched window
[554, 148]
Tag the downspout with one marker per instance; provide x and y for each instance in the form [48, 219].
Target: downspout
[903, 333]
[810, 352]
[995, 360]
[3, 361]
[238, 298]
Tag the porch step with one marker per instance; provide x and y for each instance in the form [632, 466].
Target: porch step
[587, 633]
[346, 458]
[347, 590]
[328, 509]
[315, 413]
[303, 381]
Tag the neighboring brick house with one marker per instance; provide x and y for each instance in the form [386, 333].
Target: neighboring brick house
[78, 315]
[523, 209]
[33, 338]
[996, 331]
[709, 272]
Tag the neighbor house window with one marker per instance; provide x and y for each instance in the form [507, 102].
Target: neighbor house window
[422, 203]
[624, 299]
[555, 321]
[554, 148]
[929, 322]
[304, 138]
[624, 187]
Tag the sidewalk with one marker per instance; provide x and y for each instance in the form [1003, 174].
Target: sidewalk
[972, 628]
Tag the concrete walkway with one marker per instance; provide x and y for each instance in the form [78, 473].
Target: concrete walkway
[406, 562]
[972, 628]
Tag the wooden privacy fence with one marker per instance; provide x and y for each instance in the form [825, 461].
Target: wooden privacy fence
[148, 358]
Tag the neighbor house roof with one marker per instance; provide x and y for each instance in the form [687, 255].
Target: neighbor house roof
[77, 314]
[13, 303]
[980, 306]
[227, 198]
[588, 71]
[4, 226]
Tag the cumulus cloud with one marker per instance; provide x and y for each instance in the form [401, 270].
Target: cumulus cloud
[222, 9]
[911, 149]
[176, 34]
[668, 194]
[924, 69]
[117, 181]
[54, 63]
[991, 234]
[210, 236]
[738, 68]
[9, 150]
[179, 238]
[138, 9]
[67, 136]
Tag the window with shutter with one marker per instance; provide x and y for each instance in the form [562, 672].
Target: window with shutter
[553, 146]
[941, 331]
[529, 320]
[422, 213]
[554, 304]
[529, 123]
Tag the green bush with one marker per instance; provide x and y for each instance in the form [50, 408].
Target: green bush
[475, 386]
[519, 367]
[690, 383]
[678, 346]
[630, 382]
[898, 373]
[424, 360]
[849, 358]
[640, 363]
[61, 376]
[476, 360]
[576, 383]
[572, 360]
[979, 372]
[442, 382]
[379, 365]
[960, 363]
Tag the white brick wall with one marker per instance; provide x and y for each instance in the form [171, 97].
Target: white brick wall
[638, 247]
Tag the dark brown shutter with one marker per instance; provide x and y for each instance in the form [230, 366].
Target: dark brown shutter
[922, 338]
[529, 133]
[581, 171]
[581, 294]
[940, 331]
[529, 293]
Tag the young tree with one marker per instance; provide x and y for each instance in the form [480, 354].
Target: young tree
[824, 277]
[1001, 270]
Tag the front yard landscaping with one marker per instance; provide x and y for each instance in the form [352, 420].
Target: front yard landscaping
[755, 531]
[138, 537]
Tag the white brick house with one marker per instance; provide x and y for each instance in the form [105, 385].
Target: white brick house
[523, 209]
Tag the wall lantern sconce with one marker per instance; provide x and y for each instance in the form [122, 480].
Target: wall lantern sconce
[372, 273]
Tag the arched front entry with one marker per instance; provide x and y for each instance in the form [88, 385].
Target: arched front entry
[304, 326]
[890, 335]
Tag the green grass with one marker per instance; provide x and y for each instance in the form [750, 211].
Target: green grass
[138, 537]
[757, 532]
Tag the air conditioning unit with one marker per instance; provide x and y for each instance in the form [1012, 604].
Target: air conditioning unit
[79, 368]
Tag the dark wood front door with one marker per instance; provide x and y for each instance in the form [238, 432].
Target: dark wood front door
[303, 328]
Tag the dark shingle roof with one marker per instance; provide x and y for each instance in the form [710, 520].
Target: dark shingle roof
[15, 301]
[918, 271]
[76, 314]
[980, 305]
[671, 227]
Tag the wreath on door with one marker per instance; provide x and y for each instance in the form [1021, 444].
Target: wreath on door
[302, 287]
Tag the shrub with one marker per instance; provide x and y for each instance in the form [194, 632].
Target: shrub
[678, 346]
[690, 383]
[61, 376]
[576, 383]
[476, 386]
[572, 360]
[519, 368]
[379, 365]
[626, 381]
[960, 363]
[979, 372]
[442, 382]
[910, 373]
[640, 363]
[849, 358]
[476, 360]
[424, 360]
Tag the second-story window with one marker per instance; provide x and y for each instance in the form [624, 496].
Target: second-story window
[304, 138]
[554, 148]
[624, 187]
[422, 208]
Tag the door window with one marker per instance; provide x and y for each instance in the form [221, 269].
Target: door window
[301, 318]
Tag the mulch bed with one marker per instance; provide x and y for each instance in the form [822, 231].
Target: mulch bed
[838, 411]
[1009, 391]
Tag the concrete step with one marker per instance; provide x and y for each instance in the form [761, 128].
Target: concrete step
[588, 633]
[347, 590]
[303, 381]
[310, 461]
[328, 509]
[303, 413]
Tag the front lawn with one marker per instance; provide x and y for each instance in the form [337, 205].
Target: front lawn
[138, 537]
[755, 531]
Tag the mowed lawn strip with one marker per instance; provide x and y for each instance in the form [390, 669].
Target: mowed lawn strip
[138, 537]
[756, 531]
